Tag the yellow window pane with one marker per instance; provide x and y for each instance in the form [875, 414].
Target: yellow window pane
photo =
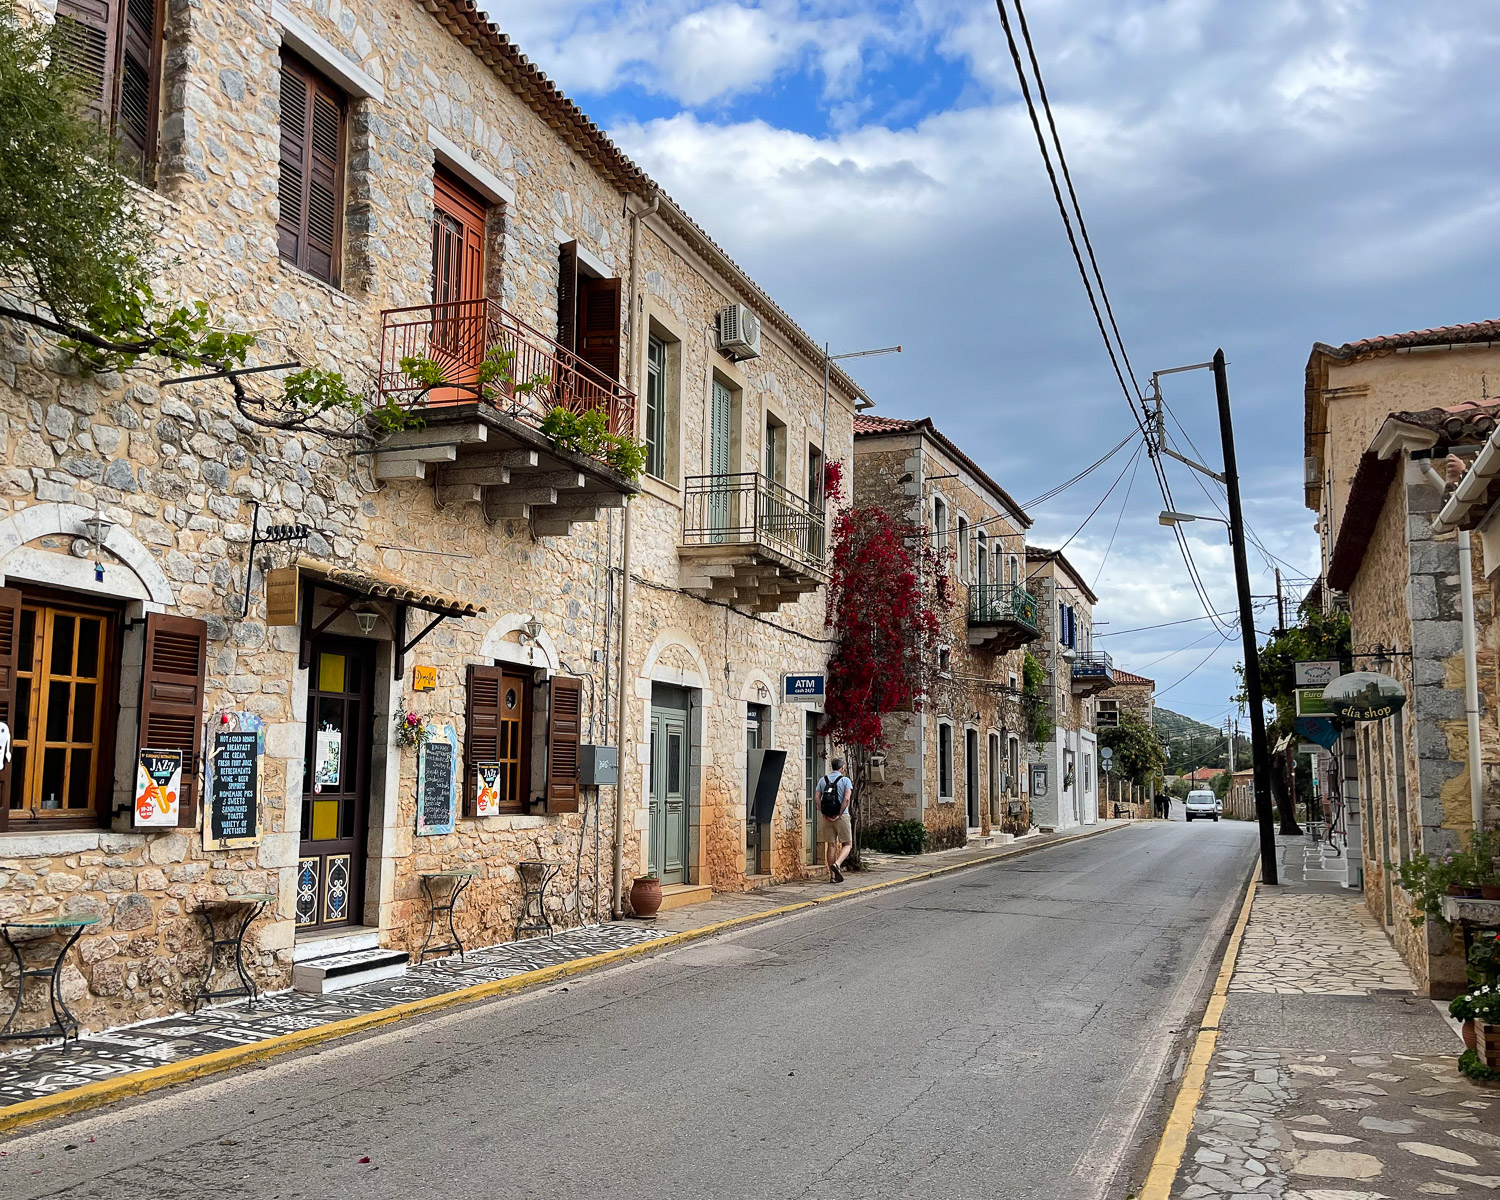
[325, 820]
[330, 672]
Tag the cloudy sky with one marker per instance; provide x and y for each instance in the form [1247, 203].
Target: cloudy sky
[1257, 174]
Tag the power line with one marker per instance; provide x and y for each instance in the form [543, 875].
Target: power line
[1128, 488]
[1134, 458]
[1169, 624]
[1131, 400]
[1062, 487]
[1190, 674]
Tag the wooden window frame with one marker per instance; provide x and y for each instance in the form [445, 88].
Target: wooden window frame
[129, 57]
[97, 814]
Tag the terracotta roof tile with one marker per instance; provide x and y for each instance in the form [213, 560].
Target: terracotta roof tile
[1442, 335]
[1131, 677]
[864, 423]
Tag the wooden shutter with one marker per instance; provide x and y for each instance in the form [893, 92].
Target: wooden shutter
[172, 697]
[481, 728]
[567, 295]
[599, 325]
[10, 632]
[140, 74]
[563, 726]
[311, 170]
[87, 41]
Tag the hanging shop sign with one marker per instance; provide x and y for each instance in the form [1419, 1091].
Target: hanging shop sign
[423, 679]
[281, 596]
[1310, 703]
[437, 783]
[487, 794]
[1364, 696]
[1321, 730]
[1317, 674]
[232, 820]
[804, 689]
[158, 788]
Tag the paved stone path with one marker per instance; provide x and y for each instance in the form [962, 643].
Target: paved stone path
[1351, 1103]
[47, 1070]
[1317, 943]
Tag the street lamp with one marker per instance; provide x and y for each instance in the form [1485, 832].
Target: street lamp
[1169, 518]
[828, 360]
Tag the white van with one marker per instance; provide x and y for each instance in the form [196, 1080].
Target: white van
[1201, 803]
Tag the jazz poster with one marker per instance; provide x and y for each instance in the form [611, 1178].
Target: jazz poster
[158, 788]
[487, 793]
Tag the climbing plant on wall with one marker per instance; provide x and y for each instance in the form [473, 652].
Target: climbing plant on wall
[885, 607]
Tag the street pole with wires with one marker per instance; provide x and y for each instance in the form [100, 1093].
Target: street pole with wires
[828, 361]
[1260, 756]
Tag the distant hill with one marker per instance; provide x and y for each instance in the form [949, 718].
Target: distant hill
[1191, 744]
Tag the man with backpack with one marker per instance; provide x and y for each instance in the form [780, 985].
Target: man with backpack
[834, 790]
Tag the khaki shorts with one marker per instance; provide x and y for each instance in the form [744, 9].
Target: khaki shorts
[839, 829]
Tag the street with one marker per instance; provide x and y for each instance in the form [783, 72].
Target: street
[1000, 1032]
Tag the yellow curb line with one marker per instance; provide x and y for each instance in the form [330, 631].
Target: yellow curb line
[1174, 1140]
[106, 1091]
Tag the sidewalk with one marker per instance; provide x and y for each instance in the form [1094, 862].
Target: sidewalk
[1332, 1078]
[61, 1077]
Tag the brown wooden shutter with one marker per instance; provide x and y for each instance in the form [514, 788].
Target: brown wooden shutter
[311, 170]
[86, 37]
[563, 726]
[481, 728]
[567, 295]
[599, 322]
[140, 74]
[172, 697]
[10, 631]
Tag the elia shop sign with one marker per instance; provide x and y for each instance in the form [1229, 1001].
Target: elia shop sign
[1364, 696]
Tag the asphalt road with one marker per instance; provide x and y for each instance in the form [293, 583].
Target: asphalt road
[999, 1032]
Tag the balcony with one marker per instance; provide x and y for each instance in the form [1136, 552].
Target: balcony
[486, 383]
[1092, 672]
[749, 541]
[1002, 617]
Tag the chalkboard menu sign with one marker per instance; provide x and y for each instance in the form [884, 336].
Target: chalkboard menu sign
[236, 785]
[435, 790]
[233, 816]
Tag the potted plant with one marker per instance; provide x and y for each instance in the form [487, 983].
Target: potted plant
[1427, 878]
[1484, 848]
[645, 895]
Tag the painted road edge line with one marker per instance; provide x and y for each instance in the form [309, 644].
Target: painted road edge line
[1174, 1139]
[88, 1096]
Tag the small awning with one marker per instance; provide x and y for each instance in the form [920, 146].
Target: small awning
[379, 586]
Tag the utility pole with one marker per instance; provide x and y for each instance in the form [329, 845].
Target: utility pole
[1260, 756]
[1280, 606]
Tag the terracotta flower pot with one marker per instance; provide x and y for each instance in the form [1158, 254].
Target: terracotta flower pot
[645, 896]
[1471, 1035]
[1489, 891]
[1464, 891]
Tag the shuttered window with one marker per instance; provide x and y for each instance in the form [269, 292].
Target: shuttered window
[497, 731]
[311, 182]
[10, 621]
[172, 697]
[114, 47]
[563, 729]
[588, 314]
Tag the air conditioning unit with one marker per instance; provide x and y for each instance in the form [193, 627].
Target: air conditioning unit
[739, 332]
[1312, 476]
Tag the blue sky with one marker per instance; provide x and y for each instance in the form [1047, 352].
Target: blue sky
[1257, 175]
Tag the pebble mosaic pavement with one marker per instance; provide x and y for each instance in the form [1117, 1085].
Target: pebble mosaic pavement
[47, 1070]
[1278, 1124]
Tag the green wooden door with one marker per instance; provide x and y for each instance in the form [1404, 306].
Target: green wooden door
[669, 785]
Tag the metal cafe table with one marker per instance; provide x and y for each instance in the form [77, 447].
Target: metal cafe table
[457, 882]
[535, 876]
[31, 934]
[236, 914]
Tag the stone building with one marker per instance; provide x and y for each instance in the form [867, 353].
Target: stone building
[362, 185]
[1129, 693]
[1064, 771]
[955, 765]
[1381, 416]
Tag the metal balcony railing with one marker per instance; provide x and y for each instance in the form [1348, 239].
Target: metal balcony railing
[1096, 664]
[746, 509]
[994, 603]
[490, 356]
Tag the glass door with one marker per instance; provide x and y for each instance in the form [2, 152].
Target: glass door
[336, 781]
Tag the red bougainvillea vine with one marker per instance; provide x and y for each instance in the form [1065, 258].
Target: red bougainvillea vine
[884, 607]
[833, 479]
